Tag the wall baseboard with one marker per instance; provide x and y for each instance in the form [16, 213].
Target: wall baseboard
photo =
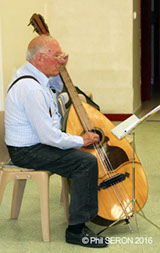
[117, 117]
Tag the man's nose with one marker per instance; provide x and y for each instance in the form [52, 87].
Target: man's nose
[64, 59]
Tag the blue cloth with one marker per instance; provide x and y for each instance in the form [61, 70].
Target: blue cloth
[27, 117]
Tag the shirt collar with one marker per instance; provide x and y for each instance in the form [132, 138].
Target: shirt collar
[53, 81]
[37, 74]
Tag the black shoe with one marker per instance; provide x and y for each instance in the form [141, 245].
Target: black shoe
[86, 238]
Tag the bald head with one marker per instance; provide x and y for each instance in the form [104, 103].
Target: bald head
[45, 53]
[39, 44]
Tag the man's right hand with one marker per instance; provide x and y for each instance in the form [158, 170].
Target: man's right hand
[90, 138]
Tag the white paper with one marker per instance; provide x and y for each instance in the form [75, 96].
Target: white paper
[129, 124]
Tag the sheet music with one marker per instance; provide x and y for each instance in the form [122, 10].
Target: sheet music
[127, 125]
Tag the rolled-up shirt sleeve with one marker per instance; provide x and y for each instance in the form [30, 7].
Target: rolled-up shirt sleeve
[47, 127]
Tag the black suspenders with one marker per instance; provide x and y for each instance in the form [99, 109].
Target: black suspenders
[23, 77]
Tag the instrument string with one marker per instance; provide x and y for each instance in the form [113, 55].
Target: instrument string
[91, 127]
[118, 190]
[102, 155]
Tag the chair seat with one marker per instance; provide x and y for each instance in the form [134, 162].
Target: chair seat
[10, 167]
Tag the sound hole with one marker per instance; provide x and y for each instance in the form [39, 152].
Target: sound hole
[101, 136]
[114, 154]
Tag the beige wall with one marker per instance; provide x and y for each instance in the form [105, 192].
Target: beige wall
[99, 36]
[16, 34]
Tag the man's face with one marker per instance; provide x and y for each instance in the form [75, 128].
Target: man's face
[52, 59]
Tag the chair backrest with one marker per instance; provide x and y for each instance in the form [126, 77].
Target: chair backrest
[63, 99]
[4, 156]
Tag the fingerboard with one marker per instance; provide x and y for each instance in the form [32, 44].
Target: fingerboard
[81, 112]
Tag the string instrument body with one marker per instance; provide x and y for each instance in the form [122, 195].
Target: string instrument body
[120, 153]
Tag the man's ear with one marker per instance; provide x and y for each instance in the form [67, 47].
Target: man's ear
[39, 58]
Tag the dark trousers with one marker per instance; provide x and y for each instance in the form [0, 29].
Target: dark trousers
[79, 166]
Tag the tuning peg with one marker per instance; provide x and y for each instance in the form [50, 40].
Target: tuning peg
[36, 30]
[30, 22]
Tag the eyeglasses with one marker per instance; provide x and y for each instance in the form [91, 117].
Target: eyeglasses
[58, 57]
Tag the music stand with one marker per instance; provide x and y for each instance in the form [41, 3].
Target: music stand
[124, 128]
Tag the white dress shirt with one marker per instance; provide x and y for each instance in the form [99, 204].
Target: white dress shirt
[27, 117]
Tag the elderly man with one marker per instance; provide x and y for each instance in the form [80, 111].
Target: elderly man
[35, 140]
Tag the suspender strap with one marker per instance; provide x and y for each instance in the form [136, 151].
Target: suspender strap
[22, 77]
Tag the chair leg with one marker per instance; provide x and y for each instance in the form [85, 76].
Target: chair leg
[1, 194]
[43, 181]
[4, 180]
[61, 201]
[1, 172]
[65, 199]
[19, 186]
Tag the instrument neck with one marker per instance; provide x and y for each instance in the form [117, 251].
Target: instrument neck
[80, 110]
